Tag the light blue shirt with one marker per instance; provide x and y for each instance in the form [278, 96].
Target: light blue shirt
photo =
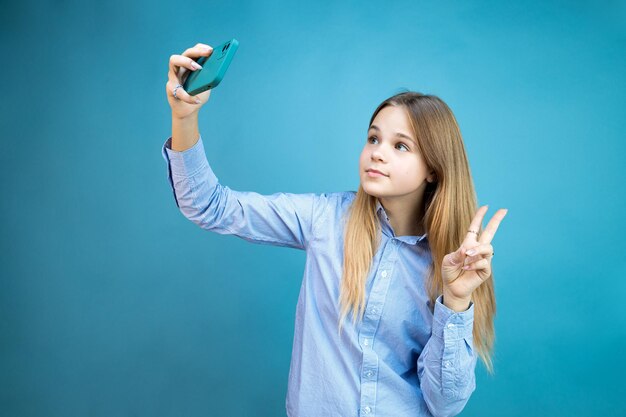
[402, 360]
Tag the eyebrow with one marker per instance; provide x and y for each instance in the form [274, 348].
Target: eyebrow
[398, 134]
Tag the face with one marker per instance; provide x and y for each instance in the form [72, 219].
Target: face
[397, 157]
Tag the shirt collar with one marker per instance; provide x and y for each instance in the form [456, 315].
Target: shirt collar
[388, 230]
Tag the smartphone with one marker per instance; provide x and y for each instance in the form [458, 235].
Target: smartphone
[213, 68]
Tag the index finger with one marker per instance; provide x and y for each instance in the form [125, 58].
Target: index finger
[487, 235]
[477, 222]
[180, 64]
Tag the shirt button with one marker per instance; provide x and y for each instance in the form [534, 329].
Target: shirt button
[450, 326]
[366, 410]
[448, 364]
[369, 374]
[373, 310]
[384, 274]
[366, 342]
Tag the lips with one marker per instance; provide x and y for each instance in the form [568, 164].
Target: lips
[376, 171]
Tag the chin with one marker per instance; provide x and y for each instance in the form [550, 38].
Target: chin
[369, 190]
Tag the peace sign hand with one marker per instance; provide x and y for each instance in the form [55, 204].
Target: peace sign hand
[469, 266]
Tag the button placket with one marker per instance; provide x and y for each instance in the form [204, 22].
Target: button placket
[371, 320]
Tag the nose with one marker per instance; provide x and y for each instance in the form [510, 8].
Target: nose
[377, 155]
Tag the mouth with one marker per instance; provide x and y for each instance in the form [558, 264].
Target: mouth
[375, 173]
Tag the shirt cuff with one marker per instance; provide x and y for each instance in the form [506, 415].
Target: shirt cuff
[451, 324]
[185, 163]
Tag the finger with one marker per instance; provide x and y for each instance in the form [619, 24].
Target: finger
[478, 265]
[175, 79]
[456, 257]
[180, 64]
[200, 49]
[181, 94]
[490, 231]
[475, 225]
[478, 252]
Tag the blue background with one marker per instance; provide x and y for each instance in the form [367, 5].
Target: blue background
[113, 304]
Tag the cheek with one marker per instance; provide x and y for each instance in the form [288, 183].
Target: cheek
[362, 158]
[412, 171]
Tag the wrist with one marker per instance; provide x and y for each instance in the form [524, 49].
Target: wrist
[455, 303]
[193, 116]
[185, 132]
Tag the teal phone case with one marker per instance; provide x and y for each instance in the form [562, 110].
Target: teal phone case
[213, 68]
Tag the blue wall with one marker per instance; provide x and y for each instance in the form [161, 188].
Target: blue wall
[113, 304]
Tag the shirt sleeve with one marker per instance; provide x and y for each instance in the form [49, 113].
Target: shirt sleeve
[280, 219]
[447, 363]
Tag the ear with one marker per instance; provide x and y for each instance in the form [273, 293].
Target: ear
[432, 177]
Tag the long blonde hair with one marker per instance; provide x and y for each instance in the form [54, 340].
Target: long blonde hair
[449, 206]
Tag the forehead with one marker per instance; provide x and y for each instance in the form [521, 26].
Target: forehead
[393, 120]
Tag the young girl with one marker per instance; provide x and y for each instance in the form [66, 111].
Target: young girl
[397, 298]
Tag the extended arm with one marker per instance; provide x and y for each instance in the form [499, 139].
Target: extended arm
[280, 219]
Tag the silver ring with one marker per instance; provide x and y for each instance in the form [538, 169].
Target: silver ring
[471, 231]
[175, 88]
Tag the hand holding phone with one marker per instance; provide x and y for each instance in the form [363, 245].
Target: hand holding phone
[213, 68]
[185, 66]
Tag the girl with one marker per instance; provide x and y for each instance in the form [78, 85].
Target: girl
[397, 299]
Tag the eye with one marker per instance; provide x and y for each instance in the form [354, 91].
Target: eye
[371, 138]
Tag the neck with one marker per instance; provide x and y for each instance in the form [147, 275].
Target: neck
[405, 220]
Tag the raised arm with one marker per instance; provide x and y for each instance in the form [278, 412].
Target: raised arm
[281, 219]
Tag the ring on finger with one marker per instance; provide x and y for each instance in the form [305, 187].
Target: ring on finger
[174, 92]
